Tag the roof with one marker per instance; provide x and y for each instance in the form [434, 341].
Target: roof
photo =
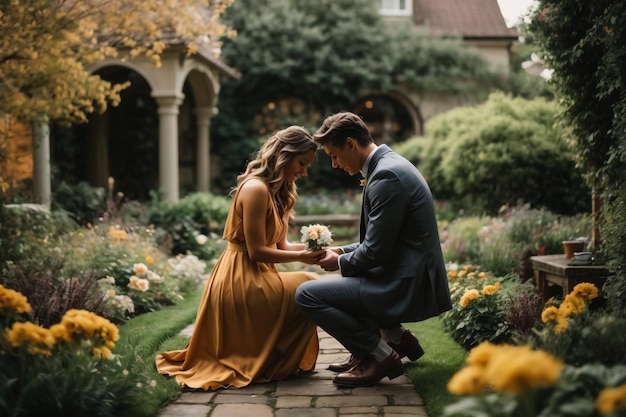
[471, 19]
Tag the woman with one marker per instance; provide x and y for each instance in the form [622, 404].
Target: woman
[248, 327]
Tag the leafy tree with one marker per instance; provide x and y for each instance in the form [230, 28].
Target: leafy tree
[323, 54]
[44, 45]
[504, 151]
[584, 43]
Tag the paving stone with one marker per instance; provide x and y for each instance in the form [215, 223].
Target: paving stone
[357, 415]
[294, 401]
[404, 410]
[348, 401]
[310, 395]
[242, 410]
[407, 399]
[305, 412]
[311, 387]
[385, 389]
[240, 399]
[185, 410]
[361, 411]
[195, 397]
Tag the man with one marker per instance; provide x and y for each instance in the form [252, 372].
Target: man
[395, 273]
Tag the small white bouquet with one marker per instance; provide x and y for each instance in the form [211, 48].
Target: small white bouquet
[315, 236]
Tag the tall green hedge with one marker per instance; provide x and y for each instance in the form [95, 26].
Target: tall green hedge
[506, 151]
[583, 41]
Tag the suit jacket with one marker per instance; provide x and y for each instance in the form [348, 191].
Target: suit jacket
[399, 252]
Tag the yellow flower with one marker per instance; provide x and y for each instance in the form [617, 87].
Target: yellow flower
[469, 296]
[585, 290]
[37, 339]
[516, 368]
[481, 275]
[469, 380]
[480, 355]
[549, 314]
[490, 289]
[101, 352]
[149, 260]
[12, 302]
[611, 400]
[452, 274]
[117, 234]
[79, 326]
[573, 304]
[561, 324]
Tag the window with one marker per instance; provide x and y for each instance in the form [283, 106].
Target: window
[396, 7]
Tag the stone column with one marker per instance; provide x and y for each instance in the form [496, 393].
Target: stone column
[168, 144]
[203, 151]
[41, 161]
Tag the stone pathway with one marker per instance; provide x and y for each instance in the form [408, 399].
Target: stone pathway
[313, 395]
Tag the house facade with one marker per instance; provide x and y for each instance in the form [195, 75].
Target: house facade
[478, 23]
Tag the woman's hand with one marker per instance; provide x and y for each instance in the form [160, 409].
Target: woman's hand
[311, 257]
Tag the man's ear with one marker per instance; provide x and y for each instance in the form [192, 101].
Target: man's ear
[351, 143]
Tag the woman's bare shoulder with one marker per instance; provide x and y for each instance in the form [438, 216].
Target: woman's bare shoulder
[253, 188]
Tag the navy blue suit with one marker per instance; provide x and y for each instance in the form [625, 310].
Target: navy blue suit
[395, 273]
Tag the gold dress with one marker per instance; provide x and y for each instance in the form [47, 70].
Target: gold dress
[248, 327]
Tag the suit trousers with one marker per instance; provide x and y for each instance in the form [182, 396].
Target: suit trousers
[335, 304]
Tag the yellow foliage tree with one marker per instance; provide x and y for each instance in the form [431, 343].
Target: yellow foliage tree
[44, 45]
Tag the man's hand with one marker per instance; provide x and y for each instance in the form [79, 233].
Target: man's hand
[330, 260]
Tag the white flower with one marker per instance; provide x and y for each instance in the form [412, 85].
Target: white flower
[154, 277]
[126, 303]
[315, 236]
[188, 266]
[139, 284]
[201, 239]
[140, 269]
[107, 280]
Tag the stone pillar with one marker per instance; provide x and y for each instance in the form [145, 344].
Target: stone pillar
[203, 151]
[41, 161]
[169, 182]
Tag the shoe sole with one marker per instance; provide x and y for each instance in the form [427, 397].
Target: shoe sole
[391, 374]
[415, 353]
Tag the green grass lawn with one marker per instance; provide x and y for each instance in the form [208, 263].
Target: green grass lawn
[148, 334]
[443, 358]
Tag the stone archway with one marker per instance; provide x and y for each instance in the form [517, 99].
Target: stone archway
[390, 116]
[201, 73]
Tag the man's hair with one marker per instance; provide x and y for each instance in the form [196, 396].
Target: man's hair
[340, 126]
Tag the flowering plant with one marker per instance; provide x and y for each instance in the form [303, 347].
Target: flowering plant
[315, 236]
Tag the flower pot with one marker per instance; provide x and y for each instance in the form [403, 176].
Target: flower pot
[571, 246]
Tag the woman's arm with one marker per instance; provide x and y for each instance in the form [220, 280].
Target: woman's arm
[253, 203]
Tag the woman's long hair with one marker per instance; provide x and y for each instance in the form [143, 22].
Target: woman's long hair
[270, 161]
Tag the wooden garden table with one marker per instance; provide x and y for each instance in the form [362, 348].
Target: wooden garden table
[555, 270]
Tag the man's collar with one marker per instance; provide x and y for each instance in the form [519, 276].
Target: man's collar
[367, 162]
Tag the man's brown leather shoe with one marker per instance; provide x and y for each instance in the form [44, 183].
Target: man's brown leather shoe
[369, 371]
[409, 346]
[344, 366]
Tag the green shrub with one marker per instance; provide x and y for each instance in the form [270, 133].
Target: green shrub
[82, 202]
[183, 226]
[478, 309]
[460, 239]
[25, 230]
[506, 151]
